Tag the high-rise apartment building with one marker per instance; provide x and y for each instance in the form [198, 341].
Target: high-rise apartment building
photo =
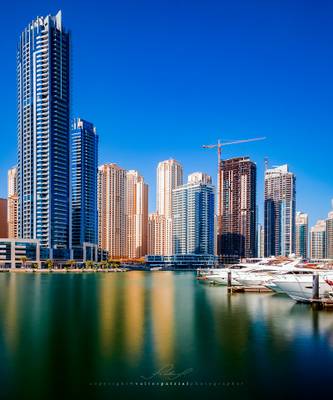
[159, 234]
[84, 168]
[260, 241]
[12, 204]
[329, 235]
[3, 219]
[136, 215]
[43, 80]
[193, 212]
[318, 241]
[112, 210]
[302, 234]
[169, 177]
[280, 211]
[236, 231]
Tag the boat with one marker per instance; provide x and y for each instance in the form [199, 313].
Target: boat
[300, 286]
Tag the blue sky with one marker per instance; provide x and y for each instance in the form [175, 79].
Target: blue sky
[161, 78]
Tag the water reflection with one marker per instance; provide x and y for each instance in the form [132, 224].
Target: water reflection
[123, 326]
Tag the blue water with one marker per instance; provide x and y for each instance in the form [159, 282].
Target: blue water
[158, 334]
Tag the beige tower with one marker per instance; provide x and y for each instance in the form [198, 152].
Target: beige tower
[136, 215]
[12, 204]
[112, 210]
[159, 234]
[169, 177]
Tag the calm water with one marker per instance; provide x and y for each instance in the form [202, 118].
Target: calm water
[131, 334]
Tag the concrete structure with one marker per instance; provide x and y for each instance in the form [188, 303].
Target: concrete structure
[302, 234]
[17, 253]
[3, 218]
[12, 204]
[136, 215]
[84, 169]
[318, 241]
[236, 232]
[43, 80]
[169, 177]
[199, 177]
[112, 210]
[193, 209]
[182, 261]
[280, 212]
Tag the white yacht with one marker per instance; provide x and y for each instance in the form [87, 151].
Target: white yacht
[299, 286]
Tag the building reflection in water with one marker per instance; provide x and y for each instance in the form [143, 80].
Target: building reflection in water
[163, 313]
[134, 316]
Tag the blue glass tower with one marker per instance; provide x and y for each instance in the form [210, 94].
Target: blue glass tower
[84, 166]
[43, 78]
[193, 218]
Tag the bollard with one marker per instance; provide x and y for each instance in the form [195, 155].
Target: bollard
[229, 279]
[315, 286]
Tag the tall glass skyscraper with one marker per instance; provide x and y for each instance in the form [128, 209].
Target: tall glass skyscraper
[280, 212]
[84, 162]
[193, 217]
[43, 78]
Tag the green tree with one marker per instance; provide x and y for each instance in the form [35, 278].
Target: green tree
[24, 260]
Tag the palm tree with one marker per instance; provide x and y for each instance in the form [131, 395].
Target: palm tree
[49, 264]
[70, 263]
[88, 264]
[23, 261]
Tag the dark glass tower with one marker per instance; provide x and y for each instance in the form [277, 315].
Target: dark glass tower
[84, 182]
[43, 77]
[237, 233]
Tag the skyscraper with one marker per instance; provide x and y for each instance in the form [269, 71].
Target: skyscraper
[112, 210]
[260, 241]
[84, 167]
[193, 212]
[169, 177]
[136, 215]
[12, 204]
[329, 235]
[3, 218]
[159, 234]
[318, 241]
[43, 78]
[302, 234]
[280, 211]
[237, 219]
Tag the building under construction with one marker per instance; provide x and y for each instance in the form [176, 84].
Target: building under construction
[236, 230]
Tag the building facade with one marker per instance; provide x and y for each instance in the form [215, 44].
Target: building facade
[302, 234]
[84, 169]
[43, 79]
[318, 241]
[112, 210]
[169, 177]
[193, 209]
[159, 234]
[17, 253]
[136, 215]
[329, 236]
[12, 203]
[236, 231]
[280, 212]
[3, 219]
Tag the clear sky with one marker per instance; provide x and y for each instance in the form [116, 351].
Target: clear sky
[160, 78]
